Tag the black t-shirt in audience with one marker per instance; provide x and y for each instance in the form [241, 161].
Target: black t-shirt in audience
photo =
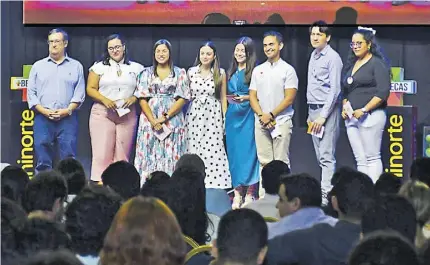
[321, 244]
[371, 79]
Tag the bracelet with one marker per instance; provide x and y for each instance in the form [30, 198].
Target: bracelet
[271, 114]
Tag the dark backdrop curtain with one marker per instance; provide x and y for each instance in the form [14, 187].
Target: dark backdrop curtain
[407, 47]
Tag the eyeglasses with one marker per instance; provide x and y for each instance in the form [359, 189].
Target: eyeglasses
[355, 44]
[117, 47]
[50, 42]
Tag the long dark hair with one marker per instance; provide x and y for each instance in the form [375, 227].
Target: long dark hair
[375, 50]
[215, 66]
[251, 59]
[187, 199]
[154, 61]
[106, 57]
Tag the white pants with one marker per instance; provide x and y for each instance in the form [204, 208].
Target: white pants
[365, 137]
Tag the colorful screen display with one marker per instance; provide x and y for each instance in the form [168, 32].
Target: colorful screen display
[226, 12]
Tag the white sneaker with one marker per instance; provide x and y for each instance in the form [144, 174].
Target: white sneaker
[237, 202]
[248, 199]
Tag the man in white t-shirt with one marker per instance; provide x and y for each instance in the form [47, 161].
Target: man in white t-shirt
[272, 92]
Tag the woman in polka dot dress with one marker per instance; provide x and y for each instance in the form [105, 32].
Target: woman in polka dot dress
[205, 116]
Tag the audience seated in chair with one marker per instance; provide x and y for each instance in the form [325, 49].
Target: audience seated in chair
[74, 173]
[13, 182]
[157, 185]
[323, 243]
[388, 183]
[420, 170]
[217, 200]
[342, 171]
[57, 257]
[384, 248]
[46, 192]
[390, 212]
[42, 234]
[271, 175]
[242, 238]
[13, 220]
[418, 194]
[187, 199]
[299, 205]
[123, 178]
[144, 231]
[88, 218]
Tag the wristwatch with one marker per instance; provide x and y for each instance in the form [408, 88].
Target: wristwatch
[364, 109]
[166, 115]
[69, 111]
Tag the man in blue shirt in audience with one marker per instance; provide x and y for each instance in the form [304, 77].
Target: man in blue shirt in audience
[56, 88]
[324, 244]
[299, 205]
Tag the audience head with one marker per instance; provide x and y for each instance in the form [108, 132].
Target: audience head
[352, 194]
[272, 43]
[192, 161]
[123, 178]
[388, 183]
[13, 182]
[271, 176]
[244, 53]
[384, 248]
[42, 234]
[144, 231]
[187, 199]
[208, 58]
[47, 192]
[390, 212]
[88, 218]
[342, 171]
[216, 19]
[320, 34]
[115, 49]
[157, 185]
[74, 173]
[298, 191]
[13, 219]
[275, 19]
[242, 238]
[418, 194]
[162, 55]
[420, 170]
[56, 257]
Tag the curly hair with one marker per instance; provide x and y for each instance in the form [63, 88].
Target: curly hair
[375, 50]
[144, 231]
[88, 218]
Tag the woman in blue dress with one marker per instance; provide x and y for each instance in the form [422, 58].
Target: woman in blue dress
[239, 125]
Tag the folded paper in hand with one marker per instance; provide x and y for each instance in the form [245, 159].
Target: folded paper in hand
[163, 133]
[348, 109]
[119, 109]
[311, 132]
[231, 100]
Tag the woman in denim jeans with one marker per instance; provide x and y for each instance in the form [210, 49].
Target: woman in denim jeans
[366, 87]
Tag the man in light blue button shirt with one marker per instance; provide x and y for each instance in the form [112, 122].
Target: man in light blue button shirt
[299, 205]
[56, 88]
[324, 75]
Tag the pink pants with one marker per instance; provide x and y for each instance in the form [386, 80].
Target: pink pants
[111, 137]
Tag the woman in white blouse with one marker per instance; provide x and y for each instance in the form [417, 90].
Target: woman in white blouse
[112, 83]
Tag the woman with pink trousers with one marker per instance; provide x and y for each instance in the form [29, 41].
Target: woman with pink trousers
[112, 83]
